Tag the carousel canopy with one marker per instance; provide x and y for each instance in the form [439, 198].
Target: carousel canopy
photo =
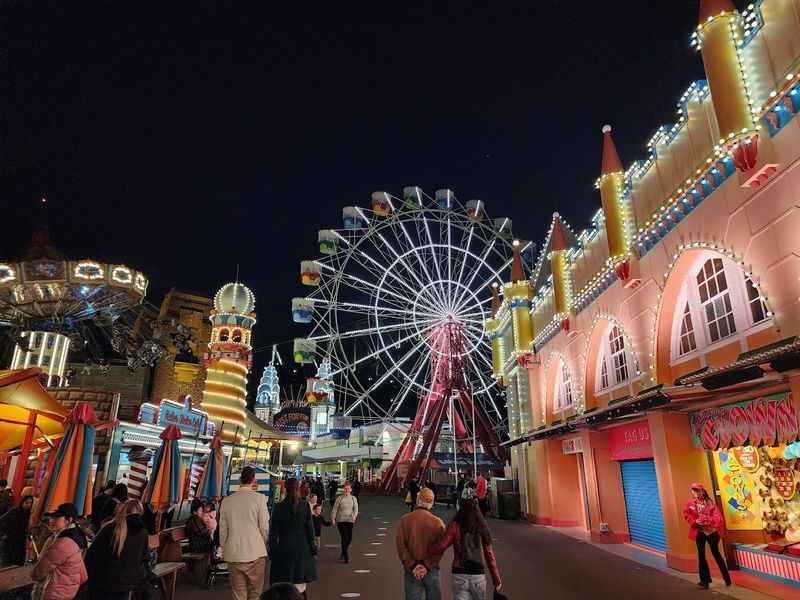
[21, 395]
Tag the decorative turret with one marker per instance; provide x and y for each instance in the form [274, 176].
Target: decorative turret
[559, 265]
[517, 293]
[615, 208]
[718, 36]
[229, 359]
[495, 338]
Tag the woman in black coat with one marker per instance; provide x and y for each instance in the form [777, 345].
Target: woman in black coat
[116, 561]
[291, 541]
[14, 524]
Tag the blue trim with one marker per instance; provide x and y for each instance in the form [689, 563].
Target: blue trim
[791, 582]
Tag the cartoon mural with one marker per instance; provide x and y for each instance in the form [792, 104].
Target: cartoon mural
[736, 470]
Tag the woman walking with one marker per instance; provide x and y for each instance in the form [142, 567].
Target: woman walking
[116, 559]
[469, 535]
[705, 523]
[343, 516]
[291, 541]
[60, 571]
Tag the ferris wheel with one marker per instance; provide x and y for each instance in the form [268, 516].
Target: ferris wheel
[388, 283]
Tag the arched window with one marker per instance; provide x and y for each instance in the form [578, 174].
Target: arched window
[718, 302]
[224, 335]
[237, 336]
[563, 389]
[616, 364]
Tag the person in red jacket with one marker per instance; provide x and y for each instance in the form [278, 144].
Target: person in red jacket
[705, 524]
[469, 535]
[60, 571]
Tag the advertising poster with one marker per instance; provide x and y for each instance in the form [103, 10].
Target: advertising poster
[736, 476]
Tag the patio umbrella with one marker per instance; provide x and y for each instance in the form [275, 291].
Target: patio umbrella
[164, 487]
[210, 485]
[69, 476]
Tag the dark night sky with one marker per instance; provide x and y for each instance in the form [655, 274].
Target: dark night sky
[184, 140]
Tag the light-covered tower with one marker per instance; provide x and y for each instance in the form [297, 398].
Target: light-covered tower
[229, 358]
[322, 400]
[615, 208]
[562, 277]
[268, 401]
[718, 36]
[518, 293]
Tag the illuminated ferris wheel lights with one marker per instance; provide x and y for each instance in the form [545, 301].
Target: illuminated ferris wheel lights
[394, 280]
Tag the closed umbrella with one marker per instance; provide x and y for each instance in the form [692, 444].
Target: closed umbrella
[164, 487]
[210, 485]
[69, 477]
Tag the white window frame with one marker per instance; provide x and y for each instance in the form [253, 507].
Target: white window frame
[563, 388]
[740, 304]
[607, 361]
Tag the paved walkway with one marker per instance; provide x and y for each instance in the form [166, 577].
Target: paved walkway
[536, 562]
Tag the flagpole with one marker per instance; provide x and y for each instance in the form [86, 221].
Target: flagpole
[230, 460]
[187, 488]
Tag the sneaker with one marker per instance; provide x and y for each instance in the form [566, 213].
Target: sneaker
[702, 586]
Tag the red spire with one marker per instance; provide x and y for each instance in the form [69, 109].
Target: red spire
[517, 272]
[495, 300]
[711, 8]
[171, 433]
[611, 162]
[557, 241]
[82, 413]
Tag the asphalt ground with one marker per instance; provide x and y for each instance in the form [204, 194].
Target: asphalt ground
[535, 563]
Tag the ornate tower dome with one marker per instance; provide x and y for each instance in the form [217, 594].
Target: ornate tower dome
[235, 298]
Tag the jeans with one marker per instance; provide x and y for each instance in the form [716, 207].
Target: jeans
[346, 533]
[469, 587]
[426, 588]
[713, 544]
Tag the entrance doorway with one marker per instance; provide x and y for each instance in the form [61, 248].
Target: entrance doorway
[643, 504]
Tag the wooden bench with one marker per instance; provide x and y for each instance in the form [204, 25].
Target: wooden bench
[167, 573]
[171, 550]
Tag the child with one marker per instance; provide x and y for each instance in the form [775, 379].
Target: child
[319, 521]
[209, 517]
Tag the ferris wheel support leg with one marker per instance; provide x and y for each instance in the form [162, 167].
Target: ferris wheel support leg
[489, 440]
[430, 439]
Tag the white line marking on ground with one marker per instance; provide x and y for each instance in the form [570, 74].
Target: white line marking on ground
[362, 571]
[371, 554]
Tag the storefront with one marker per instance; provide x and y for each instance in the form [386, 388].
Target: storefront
[631, 446]
[755, 461]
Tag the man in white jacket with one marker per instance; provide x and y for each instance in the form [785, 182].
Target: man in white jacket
[243, 532]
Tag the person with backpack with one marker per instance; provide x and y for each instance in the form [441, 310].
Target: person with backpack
[469, 536]
[60, 570]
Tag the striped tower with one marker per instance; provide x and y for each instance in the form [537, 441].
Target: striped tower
[137, 474]
[228, 359]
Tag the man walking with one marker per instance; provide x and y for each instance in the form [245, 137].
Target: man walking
[333, 487]
[416, 532]
[243, 531]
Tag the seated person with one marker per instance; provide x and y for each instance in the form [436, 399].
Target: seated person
[200, 539]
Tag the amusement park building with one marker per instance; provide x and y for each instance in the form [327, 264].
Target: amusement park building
[658, 347]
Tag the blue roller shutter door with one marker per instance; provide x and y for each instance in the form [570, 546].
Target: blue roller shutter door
[642, 503]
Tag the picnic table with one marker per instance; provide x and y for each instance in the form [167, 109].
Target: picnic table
[12, 578]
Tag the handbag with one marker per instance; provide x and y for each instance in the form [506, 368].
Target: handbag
[499, 596]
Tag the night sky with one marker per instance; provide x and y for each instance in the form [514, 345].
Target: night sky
[184, 140]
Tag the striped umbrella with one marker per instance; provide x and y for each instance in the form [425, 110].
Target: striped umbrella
[164, 488]
[210, 485]
[69, 476]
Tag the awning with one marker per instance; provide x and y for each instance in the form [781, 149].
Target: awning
[21, 395]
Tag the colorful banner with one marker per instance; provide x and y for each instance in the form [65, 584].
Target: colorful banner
[630, 441]
[768, 421]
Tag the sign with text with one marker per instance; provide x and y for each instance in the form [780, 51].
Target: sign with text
[187, 419]
[765, 421]
[572, 445]
[630, 441]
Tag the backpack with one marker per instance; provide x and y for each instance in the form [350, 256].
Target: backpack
[472, 552]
